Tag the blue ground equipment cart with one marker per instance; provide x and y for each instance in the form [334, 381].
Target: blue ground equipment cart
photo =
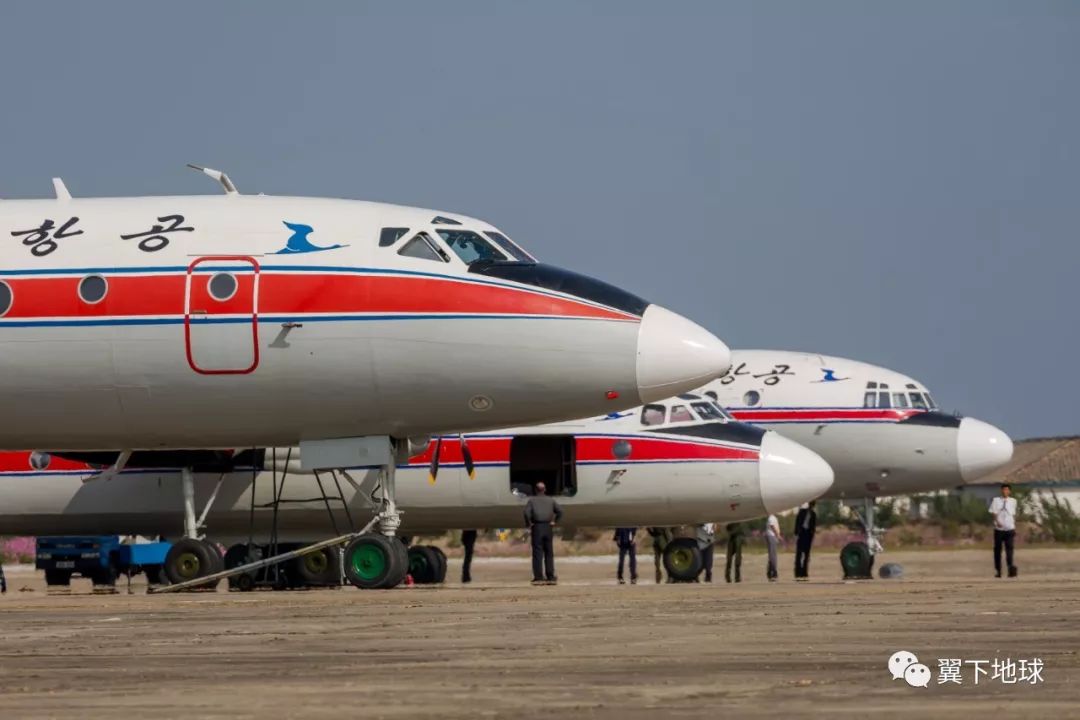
[100, 558]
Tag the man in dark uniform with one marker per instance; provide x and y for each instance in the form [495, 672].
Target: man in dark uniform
[541, 514]
[660, 539]
[626, 539]
[735, 539]
[805, 525]
[468, 541]
[3, 580]
[706, 537]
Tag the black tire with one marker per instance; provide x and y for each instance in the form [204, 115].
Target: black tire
[856, 561]
[58, 577]
[682, 559]
[105, 577]
[237, 555]
[423, 565]
[317, 568]
[440, 576]
[189, 559]
[244, 582]
[372, 560]
[401, 567]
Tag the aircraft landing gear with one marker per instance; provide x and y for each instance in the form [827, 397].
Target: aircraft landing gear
[683, 560]
[857, 558]
[193, 557]
[427, 564]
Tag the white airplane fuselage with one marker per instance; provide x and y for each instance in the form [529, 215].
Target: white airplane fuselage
[604, 472]
[232, 321]
[876, 445]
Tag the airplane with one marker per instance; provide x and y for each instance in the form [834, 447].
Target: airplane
[617, 470]
[881, 431]
[240, 320]
[354, 329]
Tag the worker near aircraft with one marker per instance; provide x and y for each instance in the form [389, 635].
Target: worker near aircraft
[468, 542]
[661, 536]
[1003, 508]
[773, 536]
[805, 526]
[733, 557]
[541, 514]
[626, 540]
[706, 537]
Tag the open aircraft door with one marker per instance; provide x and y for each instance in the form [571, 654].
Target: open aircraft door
[221, 316]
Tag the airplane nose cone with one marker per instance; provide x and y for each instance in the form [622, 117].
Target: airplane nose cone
[676, 355]
[981, 448]
[790, 474]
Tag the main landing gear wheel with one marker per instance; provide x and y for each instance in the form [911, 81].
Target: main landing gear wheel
[682, 559]
[440, 576]
[375, 561]
[424, 564]
[857, 561]
[317, 568]
[189, 559]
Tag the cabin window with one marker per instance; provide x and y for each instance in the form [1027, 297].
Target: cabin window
[510, 247]
[389, 236]
[679, 413]
[653, 415]
[469, 246]
[751, 398]
[899, 400]
[549, 459]
[222, 286]
[92, 289]
[5, 297]
[917, 401]
[422, 247]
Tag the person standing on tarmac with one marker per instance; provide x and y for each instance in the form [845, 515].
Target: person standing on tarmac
[805, 526]
[773, 537]
[1003, 508]
[468, 542]
[626, 539]
[541, 514]
[3, 580]
[660, 538]
[706, 536]
[734, 551]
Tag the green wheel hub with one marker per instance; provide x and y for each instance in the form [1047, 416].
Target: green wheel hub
[316, 562]
[188, 565]
[368, 561]
[682, 559]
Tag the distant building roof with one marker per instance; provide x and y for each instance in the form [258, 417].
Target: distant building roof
[1055, 460]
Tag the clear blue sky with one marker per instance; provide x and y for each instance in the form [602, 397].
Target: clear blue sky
[893, 182]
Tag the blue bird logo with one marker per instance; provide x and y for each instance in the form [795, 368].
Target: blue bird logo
[830, 376]
[298, 242]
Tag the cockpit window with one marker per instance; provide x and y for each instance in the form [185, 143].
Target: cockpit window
[869, 400]
[653, 414]
[709, 411]
[469, 246]
[423, 247]
[883, 399]
[930, 401]
[917, 401]
[899, 400]
[510, 247]
[389, 236]
[440, 220]
[679, 413]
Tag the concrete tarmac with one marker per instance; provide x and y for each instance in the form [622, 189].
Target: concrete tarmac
[585, 648]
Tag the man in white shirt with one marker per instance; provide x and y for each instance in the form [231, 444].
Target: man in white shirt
[1003, 509]
[772, 539]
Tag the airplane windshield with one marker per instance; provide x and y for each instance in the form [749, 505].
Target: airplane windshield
[653, 414]
[510, 247]
[470, 247]
[709, 411]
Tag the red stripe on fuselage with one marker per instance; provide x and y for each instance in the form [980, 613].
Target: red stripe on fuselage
[824, 415]
[289, 294]
[20, 462]
[590, 449]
